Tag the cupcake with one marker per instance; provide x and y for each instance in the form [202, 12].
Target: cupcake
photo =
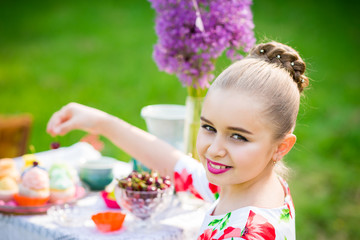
[8, 169]
[62, 184]
[34, 187]
[9, 177]
[8, 187]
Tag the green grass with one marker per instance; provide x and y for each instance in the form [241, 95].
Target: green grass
[100, 54]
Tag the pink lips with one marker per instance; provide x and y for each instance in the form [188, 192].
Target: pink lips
[215, 170]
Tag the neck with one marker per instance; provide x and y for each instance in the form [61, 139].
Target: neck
[263, 191]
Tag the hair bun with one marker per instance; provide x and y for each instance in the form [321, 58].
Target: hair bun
[286, 57]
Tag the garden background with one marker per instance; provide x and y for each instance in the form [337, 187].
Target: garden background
[99, 53]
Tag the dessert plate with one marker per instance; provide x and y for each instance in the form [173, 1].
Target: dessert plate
[11, 207]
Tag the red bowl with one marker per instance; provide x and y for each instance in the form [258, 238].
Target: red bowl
[110, 203]
[108, 221]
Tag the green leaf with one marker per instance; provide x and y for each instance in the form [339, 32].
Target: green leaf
[215, 221]
[223, 225]
[285, 215]
[224, 221]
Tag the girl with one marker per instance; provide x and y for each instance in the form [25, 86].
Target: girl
[247, 124]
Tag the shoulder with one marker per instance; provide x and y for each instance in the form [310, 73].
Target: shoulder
[187, 162]
[248, 223]
[187, 168]
[252, 222]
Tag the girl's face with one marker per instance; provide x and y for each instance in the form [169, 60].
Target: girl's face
[234, 141]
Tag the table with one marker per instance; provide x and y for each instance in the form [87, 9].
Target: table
[180, 221]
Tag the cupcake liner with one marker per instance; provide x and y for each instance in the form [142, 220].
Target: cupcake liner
[62, 196]
[108, 221]
[29, 202]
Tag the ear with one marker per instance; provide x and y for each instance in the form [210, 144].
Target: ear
[284, 147]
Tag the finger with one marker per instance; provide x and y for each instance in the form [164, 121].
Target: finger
[65, 127]
[57, 119]
[52, 121]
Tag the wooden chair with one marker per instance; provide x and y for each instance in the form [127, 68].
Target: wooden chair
[14, 135]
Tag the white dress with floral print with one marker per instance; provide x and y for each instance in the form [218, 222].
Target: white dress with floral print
[244, 223]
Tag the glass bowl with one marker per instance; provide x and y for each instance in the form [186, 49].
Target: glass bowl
[69, 215]
[144, 205]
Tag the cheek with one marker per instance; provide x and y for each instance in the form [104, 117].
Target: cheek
[248, 154]
[252, 156]
[203, 142]
[200, 142]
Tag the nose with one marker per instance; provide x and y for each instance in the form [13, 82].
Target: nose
[217, 147]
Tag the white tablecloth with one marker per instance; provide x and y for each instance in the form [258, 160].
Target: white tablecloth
[180, 221]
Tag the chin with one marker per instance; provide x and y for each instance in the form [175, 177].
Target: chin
[212, 178]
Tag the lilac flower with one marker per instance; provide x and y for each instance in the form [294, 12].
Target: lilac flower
[192, 34]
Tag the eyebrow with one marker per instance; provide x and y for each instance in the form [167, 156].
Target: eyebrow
[239, 129]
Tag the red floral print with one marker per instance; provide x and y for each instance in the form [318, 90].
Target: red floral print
[184, 182]
[208, 234]
[195, 193]
[288, 206]
[214, 188]
[258, 228]
[288, 194]
[231, 232]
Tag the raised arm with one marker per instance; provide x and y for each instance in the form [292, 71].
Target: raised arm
[145, 147]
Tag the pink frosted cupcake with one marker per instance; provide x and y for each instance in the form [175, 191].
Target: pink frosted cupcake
[34, 184]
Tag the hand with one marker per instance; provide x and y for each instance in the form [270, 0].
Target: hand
[75, 116]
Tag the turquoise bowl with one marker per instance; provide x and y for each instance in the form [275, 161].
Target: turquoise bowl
[97, 174]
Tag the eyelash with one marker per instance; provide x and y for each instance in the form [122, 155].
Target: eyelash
[242, 138]
[238, 138]
[208, 128]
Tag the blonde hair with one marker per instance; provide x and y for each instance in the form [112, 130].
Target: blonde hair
[274, 73]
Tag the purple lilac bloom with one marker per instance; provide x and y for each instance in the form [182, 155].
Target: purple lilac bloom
[190, 51]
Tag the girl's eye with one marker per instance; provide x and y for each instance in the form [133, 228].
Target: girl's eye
[208, 128]
[239, 137]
